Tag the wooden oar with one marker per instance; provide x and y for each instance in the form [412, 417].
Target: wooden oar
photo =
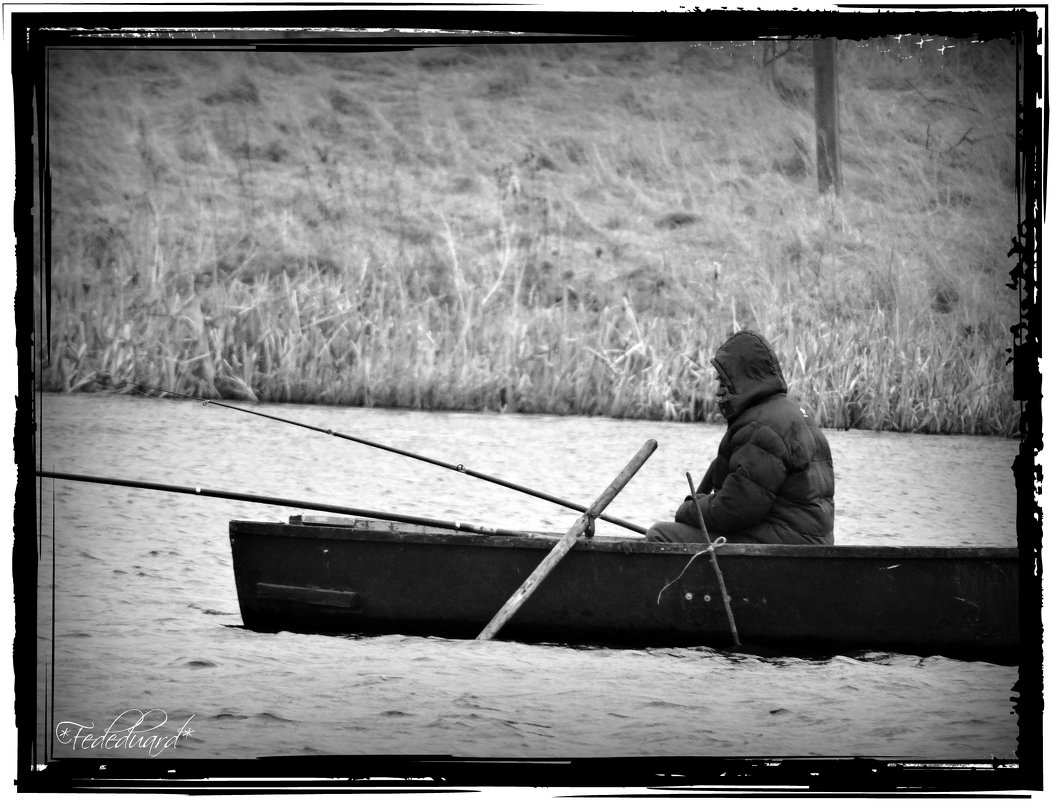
[715, 564]
[511, 606]
[271, 501]
[104, 381]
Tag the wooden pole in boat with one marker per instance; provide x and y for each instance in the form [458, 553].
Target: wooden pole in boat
[272, 501]
[562, 547]
[104, 381]
[715, 564]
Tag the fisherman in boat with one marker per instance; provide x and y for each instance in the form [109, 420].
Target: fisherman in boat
[772, 478]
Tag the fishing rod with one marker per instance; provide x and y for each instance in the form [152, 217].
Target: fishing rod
[272, 501]
[105, 381]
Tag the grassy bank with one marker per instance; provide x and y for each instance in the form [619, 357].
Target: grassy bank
[569, 228]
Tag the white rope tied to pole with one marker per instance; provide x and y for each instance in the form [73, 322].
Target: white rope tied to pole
[712, 547]
[715, 565]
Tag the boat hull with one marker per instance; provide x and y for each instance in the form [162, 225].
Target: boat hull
[363, 576]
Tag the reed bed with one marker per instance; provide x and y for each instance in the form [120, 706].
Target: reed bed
[520, 229]
[311, 341]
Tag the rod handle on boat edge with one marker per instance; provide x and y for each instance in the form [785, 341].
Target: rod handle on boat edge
[562, 547]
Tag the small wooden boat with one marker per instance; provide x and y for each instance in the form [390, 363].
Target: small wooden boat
[348, 575]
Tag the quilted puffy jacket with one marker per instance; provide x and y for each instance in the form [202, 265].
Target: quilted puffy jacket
[772, 478]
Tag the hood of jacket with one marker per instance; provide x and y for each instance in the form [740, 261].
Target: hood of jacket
[750, 370]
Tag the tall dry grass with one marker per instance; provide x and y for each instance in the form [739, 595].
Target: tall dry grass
[569, 229]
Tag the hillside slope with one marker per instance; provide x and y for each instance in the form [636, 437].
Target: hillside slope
[564, 228]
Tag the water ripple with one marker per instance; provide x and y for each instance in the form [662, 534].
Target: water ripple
[142, 581]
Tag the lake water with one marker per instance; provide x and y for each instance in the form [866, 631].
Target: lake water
[146, 614]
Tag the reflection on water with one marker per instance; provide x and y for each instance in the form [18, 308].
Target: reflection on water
[146, 612]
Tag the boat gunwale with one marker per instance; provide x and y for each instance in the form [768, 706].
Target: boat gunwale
[366, 530]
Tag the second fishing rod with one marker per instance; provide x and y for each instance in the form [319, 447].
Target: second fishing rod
[104, 380]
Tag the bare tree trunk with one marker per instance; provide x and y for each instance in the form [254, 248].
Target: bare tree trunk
[827, 117]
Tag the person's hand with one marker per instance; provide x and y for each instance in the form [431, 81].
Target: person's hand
[688, 513]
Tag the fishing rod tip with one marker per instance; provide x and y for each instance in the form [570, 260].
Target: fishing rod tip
[105, 380]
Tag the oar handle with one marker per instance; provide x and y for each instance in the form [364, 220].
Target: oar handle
[518, 598]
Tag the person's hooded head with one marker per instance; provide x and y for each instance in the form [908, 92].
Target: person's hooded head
[748, 370]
